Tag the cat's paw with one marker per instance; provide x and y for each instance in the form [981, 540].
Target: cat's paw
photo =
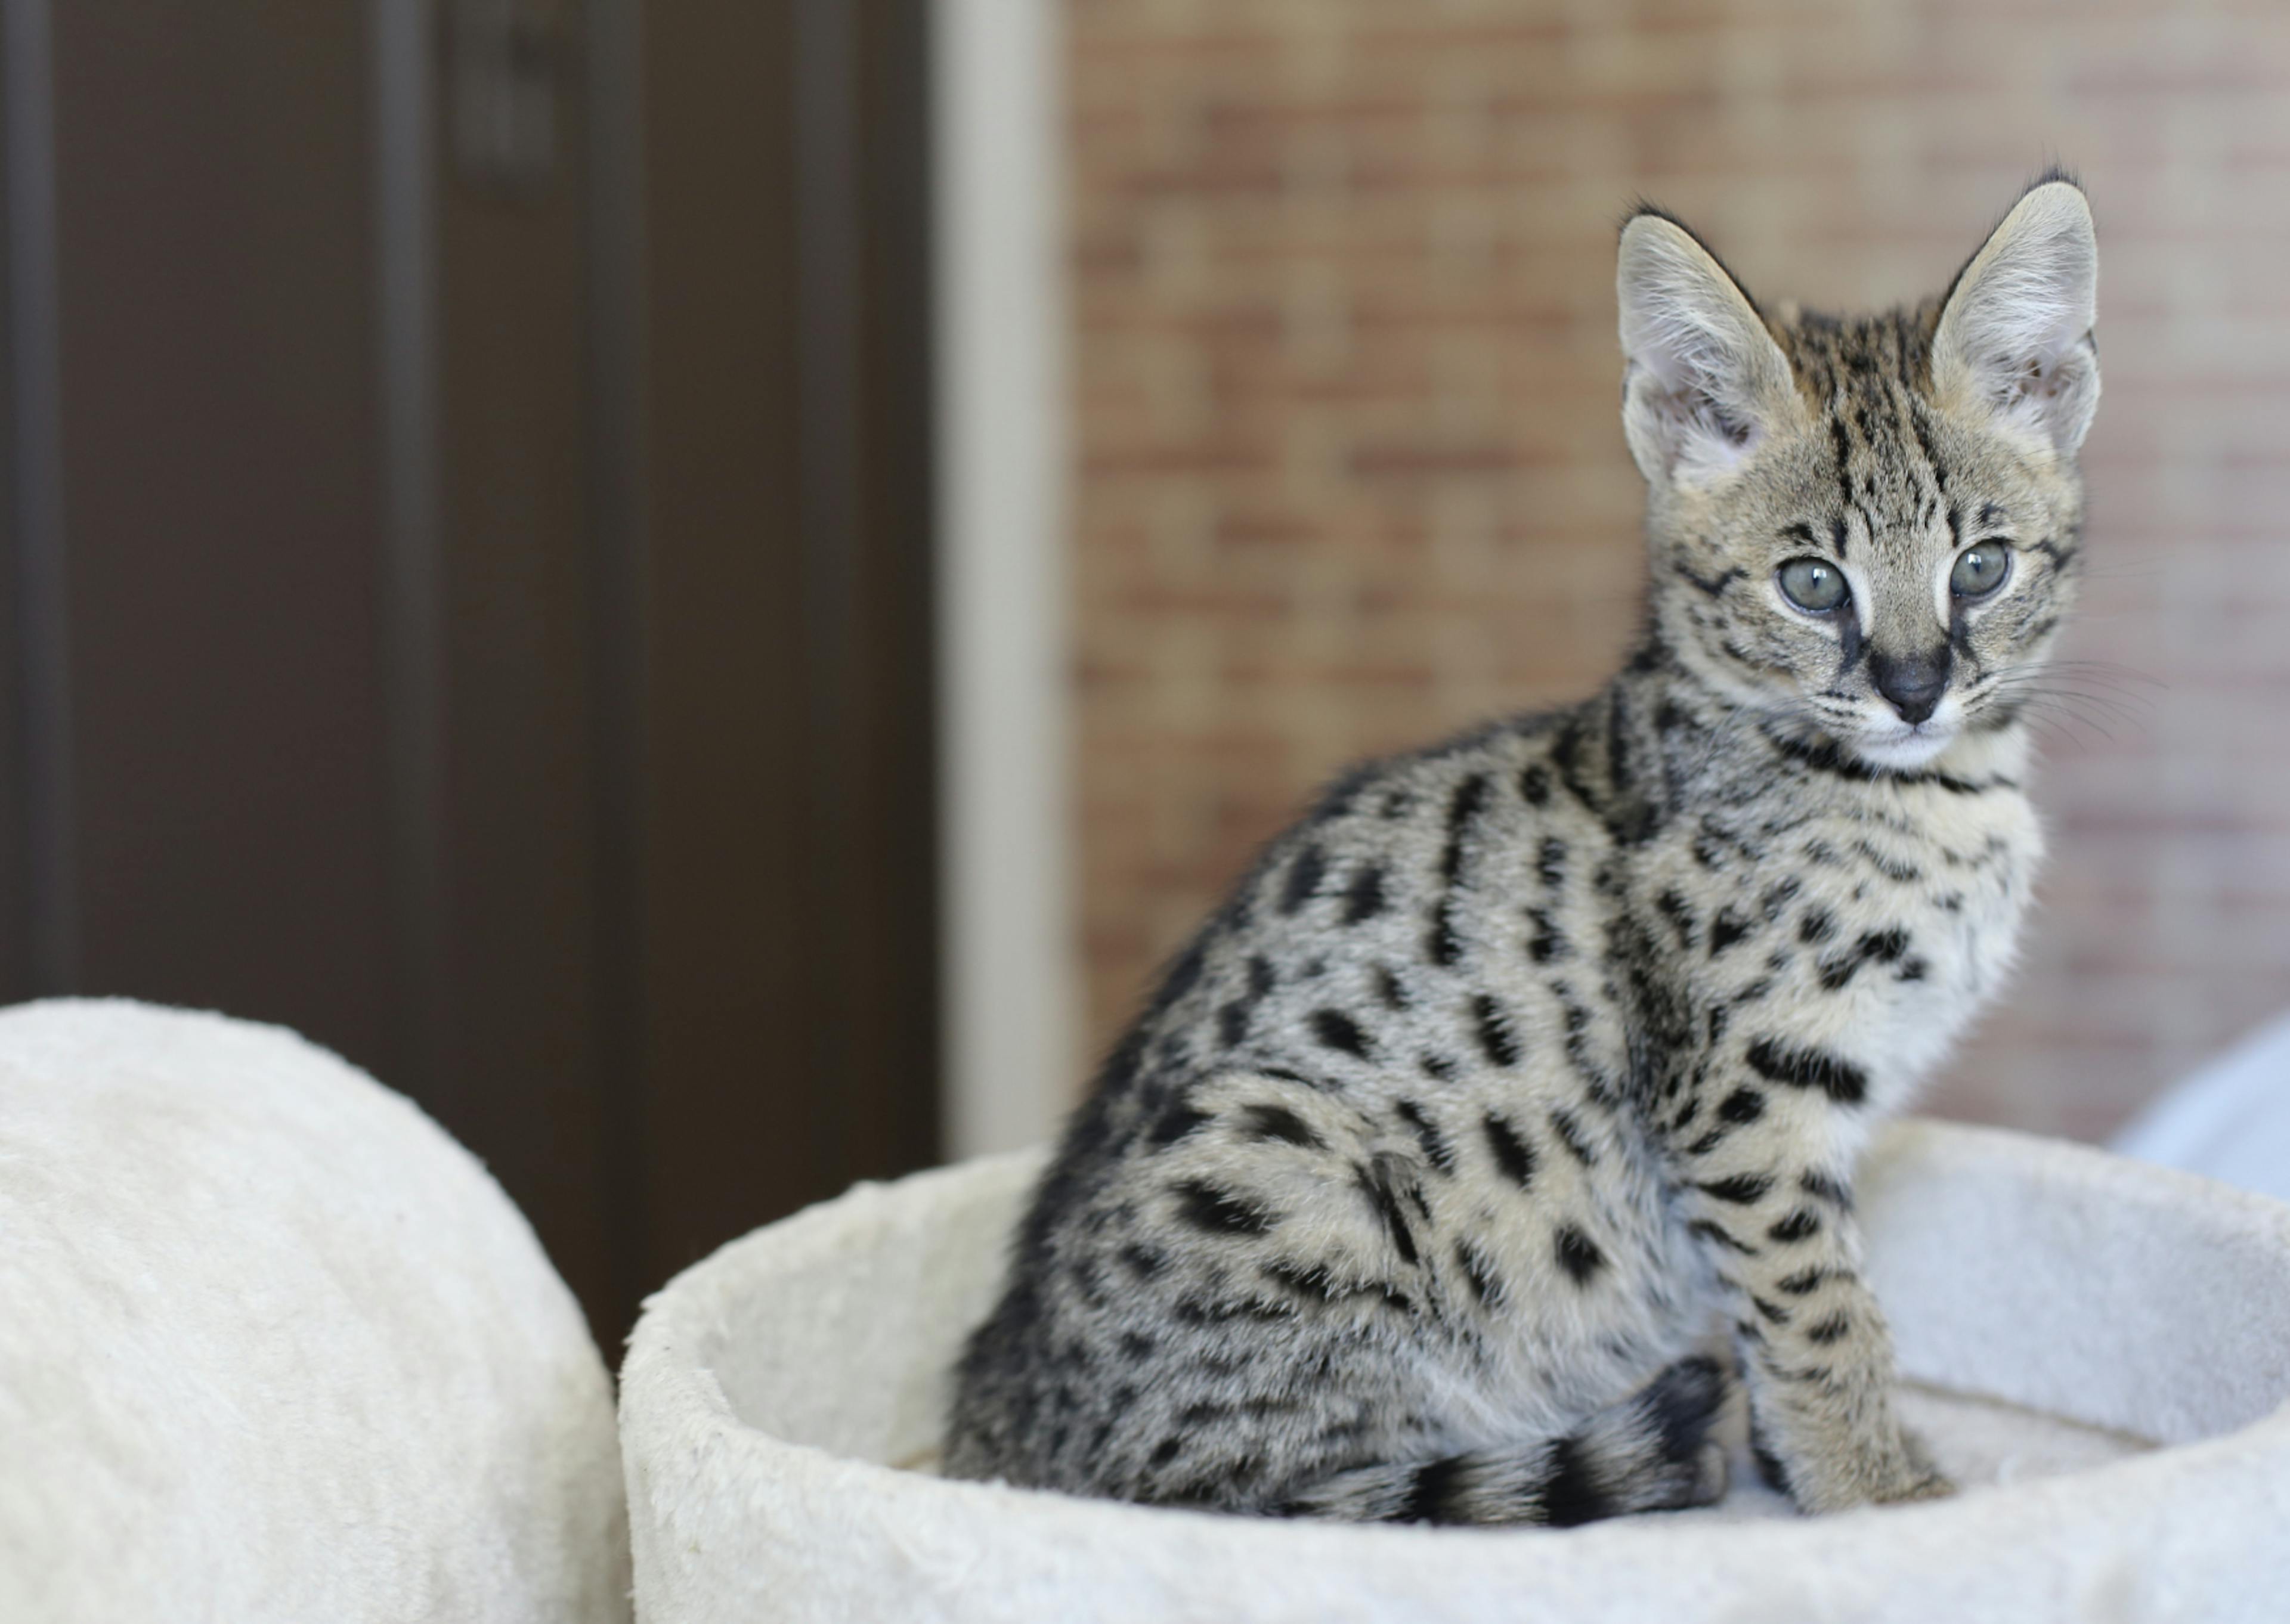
[1915, 1476]
[1892, 1470]
[1931, 1485]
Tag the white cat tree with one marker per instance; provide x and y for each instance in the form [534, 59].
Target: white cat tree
[273, 1347]
[2100, 1350]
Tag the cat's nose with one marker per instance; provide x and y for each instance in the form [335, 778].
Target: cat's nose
[1913, 685]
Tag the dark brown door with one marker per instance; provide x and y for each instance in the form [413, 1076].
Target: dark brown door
[469, 562]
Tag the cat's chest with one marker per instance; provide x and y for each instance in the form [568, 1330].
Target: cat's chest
[1882, 924]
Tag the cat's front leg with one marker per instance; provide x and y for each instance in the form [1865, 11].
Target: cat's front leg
[1764, 1170]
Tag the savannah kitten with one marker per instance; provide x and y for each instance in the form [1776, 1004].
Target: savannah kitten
[1521, 1064]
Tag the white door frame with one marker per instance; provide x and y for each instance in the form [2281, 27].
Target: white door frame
[1010, 1010]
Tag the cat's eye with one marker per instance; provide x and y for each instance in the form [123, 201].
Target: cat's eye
[1813, 585]
[1980, 570]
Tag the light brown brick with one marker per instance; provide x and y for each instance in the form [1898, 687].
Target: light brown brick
[1349, 473]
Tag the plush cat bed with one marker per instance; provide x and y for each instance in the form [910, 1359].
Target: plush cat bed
[274, 1348]
[2100, 1350]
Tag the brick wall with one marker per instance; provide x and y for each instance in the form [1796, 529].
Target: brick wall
[1351, 472]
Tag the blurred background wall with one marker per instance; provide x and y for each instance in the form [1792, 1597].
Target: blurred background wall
[1351, 472]
[469, 572]
[705, 588]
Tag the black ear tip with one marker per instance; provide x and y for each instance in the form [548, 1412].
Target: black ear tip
[1641, 208]
[2055, 173]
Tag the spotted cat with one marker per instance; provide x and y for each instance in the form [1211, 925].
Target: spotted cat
[1507, 1114]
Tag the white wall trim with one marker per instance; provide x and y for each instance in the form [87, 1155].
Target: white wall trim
[1012, 1001]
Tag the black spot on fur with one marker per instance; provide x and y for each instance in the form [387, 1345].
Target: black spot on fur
[1288, 1074]
[1498, 1038]
[1364, 898]
[1713, 585]
[1375, 1182]
[1722, 1235]
[1143, 1261]
[1804, 1281]
[1570, 1134]
[1429, 1492]
[1809, 1069]
[1312, 1283]
[1743, 1190]
[1510, 1150]
[1891, 867]
[1390, 989]
[1137, 1344]
[1304, 876]
[1830, 1190]
[1462, 812]
[1200, 1311]
[1279, 1121]
[1571, 1495]
[1232, 1023]
[1546, 945]
[1773, 1311]
[1444, 944]
[1437, 1150]
[1819, 924]
[1726, 928]
[1578, 1253]
[1830, 1330]
[1550, 863]
[1179, 1120]
[1800, 1224]
[1742, 1105]
[1166, 1450]
[1334, 1029]
[1877, 946]
[1261, 975]
[1479, 1274]
[1215, 1212]
[1534, 786]
[1673, 909]
[1437, 1067]
[1182, 975]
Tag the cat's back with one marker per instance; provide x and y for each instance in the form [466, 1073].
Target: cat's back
[1372, 1119]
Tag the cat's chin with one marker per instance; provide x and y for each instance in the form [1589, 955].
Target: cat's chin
[1905, 749]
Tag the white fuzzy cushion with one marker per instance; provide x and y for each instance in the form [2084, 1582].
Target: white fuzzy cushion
[2231, 1121]
[2065, 1313]
[273, 1347]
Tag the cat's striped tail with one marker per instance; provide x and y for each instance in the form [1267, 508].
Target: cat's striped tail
[1653, 1452]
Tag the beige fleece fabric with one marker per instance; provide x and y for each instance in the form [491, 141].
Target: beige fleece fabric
[2100, 1350]
[274, 1348]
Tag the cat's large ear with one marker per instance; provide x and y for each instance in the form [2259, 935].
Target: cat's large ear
[1705, 381]
[2014, 336]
